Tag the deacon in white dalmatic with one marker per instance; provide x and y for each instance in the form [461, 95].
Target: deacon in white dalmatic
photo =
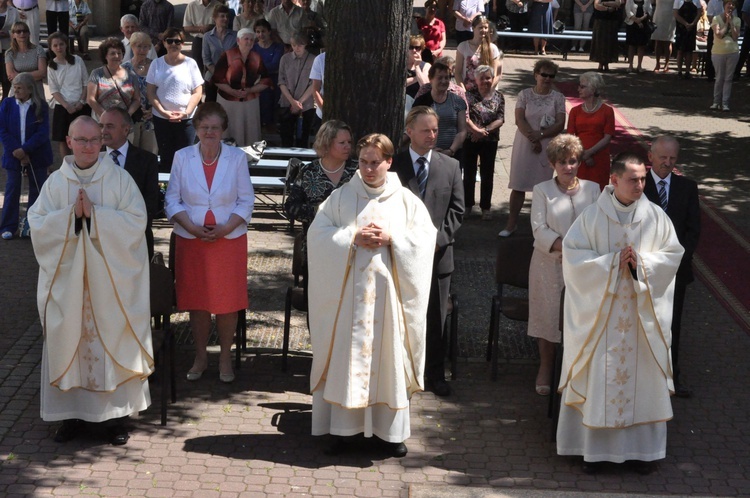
[370, 252]
[620, 258]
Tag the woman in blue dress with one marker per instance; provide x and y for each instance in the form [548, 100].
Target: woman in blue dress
[270, 52]
[540, 21]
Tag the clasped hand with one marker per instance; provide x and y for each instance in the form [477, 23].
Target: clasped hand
[82, 205]
[210, 233]
[372, 236]
[628, 259]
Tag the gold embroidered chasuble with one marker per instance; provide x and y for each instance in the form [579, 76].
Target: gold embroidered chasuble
[368, 306]
[617, 368]
[93, 292]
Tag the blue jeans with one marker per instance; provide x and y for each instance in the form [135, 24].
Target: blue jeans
[171, 137]
[11, 206]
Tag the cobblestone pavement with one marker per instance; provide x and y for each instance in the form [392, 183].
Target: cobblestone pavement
[251, 438]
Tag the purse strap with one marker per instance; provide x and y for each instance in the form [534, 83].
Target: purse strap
[122, 96]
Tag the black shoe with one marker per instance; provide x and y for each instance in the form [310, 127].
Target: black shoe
[118, 435]
[439, 387]
[590, 467]
[398, 450]
[68, 430]
[644, 468]
[681, 391]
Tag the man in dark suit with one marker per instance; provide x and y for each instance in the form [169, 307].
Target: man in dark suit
[142, 165]
[436, 179]
[678, 196]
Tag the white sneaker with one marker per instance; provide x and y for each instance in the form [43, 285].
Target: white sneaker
[580, 49]
[725, 108]
[7, 235]
[714, 107]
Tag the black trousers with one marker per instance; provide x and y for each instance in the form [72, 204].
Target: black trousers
[197, 52]
[744, 50]
[57, 21]
[437, 310]
[288, 128]
[710, 71]
[680, 288]
[485, 153]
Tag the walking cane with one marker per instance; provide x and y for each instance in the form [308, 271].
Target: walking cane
[25, 229]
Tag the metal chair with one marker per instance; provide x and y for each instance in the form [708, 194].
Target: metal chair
[511, 268]
[240, 335]
[162, 307]
[296, 295]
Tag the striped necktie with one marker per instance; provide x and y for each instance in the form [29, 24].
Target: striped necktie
[422, 176]
[663, 194]
[115, 155]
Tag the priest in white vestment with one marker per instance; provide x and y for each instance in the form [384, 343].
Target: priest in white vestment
[370, 252]
[620, 258]
[88, 231]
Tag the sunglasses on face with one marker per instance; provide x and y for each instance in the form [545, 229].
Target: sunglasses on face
[415, 47]
[173, 41]
[547, 75]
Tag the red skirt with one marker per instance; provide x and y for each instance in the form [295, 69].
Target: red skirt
[211, 276]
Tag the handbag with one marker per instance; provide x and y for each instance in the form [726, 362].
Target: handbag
[137, 115]
[649, 26]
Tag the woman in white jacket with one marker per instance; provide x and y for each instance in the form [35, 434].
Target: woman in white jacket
[210, 200]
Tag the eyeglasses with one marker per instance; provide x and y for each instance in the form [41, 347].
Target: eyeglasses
[21, 31]
[87, 141]
[415, 47]
[173, 41]
[210, 129]
[547, 75]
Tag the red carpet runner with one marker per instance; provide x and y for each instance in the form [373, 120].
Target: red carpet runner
[722, 261]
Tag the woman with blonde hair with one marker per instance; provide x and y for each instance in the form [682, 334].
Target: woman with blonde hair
[143, 129]
[316, 180]
[25, 57]
[554, 207]
[479, 51]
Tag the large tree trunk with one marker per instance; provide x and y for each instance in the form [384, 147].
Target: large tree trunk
[365, 64]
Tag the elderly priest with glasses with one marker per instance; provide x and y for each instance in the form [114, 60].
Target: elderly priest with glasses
[88, 231]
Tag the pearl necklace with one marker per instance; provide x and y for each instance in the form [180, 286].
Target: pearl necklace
[212, 161]
[597, 103]
[332, 172]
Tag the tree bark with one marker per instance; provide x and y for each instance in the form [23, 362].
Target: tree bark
[365, 67]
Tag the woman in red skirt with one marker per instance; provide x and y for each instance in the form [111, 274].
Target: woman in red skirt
[210, 201]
